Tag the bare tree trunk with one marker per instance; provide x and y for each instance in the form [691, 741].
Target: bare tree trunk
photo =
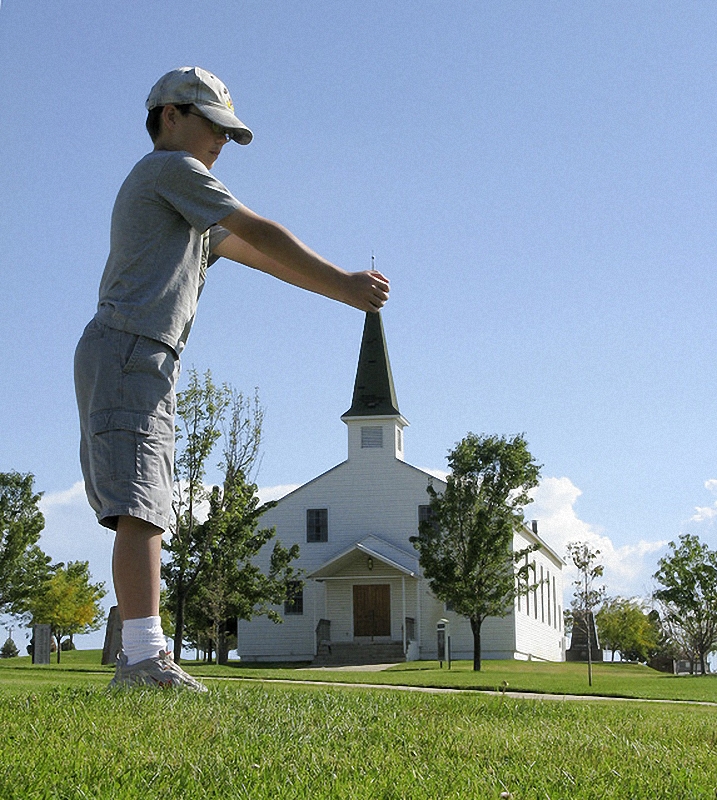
[179, 623]
[222, 646]
[475, 627]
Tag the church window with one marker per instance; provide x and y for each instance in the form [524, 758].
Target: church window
[294, 603]
[317, 524]
[424, 514]
[555, 605]
[371, 436]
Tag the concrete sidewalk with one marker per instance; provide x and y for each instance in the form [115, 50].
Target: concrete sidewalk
[448, 690]
[349, 668]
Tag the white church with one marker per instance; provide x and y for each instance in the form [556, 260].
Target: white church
[364, 598]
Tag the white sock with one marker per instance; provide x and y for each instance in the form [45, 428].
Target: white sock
[142, 638]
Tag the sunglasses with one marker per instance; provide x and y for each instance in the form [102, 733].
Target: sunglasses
[218, 129]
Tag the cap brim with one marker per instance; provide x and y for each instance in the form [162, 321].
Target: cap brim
[224, 117]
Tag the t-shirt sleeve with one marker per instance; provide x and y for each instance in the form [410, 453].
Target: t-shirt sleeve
[188, 186]
[217, 235]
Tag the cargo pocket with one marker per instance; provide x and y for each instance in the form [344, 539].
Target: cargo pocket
[133, 346]
[124, 446]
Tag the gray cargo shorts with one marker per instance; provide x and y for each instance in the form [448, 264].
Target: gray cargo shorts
[125, 395]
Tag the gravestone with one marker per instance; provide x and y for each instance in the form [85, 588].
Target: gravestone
[41, 642]
[578, 650]
[113, 637]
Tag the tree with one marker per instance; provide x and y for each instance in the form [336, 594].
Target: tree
[466, 545]
[232, 587]
[22, 562]
[211, 577]
[688, 597]
[68, 602]
[587, 595]
[9, 649]
[668, 646]
[200, 409]
[623, 625]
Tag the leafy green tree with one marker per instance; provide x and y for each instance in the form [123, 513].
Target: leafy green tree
[22, 562]
[200, 409]
[587, 595]
[688, 597]
[233, 587]
[68, 602]
[466, 546]
[210, 575]
[624, 625]
[9, 649]
[668, 644]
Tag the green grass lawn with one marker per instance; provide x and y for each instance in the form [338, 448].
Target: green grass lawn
[609, 680]
[62, 735]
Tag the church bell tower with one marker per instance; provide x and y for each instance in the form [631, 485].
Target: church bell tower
[375, 425]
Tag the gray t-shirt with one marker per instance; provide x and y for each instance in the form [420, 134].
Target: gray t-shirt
[162, 236]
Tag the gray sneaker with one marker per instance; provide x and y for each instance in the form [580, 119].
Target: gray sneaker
[160, 671]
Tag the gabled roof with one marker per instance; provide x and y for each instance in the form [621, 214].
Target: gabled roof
[531, 533]
[379, 549]
[374, 393]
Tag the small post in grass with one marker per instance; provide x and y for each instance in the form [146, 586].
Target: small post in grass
[443, 637]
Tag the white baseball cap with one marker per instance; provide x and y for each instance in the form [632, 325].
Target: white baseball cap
[205, 91]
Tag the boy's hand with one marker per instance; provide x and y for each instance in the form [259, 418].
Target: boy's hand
[367, 291]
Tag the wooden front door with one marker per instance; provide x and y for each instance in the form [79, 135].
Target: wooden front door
[372, 610]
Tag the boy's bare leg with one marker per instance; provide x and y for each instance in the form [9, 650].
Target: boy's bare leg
[136, 567]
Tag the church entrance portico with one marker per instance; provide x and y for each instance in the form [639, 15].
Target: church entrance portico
[370, 605]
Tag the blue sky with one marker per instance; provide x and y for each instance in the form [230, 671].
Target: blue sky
[536, 178]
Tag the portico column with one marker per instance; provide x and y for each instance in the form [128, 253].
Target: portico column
[403, 600]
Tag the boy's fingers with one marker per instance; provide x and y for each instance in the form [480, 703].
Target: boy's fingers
[379, 299]
[370, 290]
[385, 284]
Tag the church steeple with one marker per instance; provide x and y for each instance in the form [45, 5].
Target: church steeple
[374, 394]
[374, 418]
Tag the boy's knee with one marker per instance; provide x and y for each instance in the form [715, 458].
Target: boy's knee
[133, 526]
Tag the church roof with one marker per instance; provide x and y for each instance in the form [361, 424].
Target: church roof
[377, 548]
[374, 393]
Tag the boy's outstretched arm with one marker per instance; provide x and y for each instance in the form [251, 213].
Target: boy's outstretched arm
[267, 246]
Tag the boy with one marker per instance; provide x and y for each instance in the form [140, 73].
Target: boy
[170, 221]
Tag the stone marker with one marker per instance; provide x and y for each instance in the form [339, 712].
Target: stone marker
[41, 640]
[578, 650]
[113, 637]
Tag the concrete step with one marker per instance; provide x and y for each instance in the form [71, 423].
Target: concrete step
[352, 653]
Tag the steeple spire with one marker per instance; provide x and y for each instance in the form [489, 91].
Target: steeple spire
[374, 393]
